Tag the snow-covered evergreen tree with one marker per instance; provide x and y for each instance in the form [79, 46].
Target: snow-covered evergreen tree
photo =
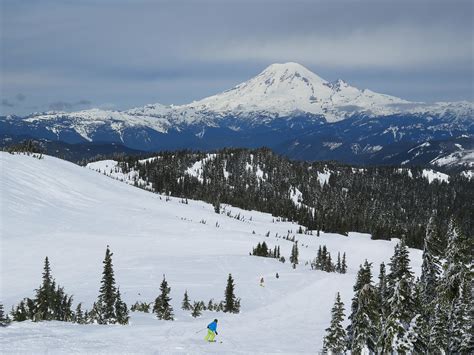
[438, 338]
[335, 339]
[4, 319]
[401, 304]
[430, 268]
[365, 321]
[162, 307]
[455, 290]
[79, 315]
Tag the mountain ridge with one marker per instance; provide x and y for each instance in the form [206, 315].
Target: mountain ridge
[282, 105]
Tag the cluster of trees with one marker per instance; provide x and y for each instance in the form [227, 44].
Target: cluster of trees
[402, 315]
[27, 146]
[263, 250]
[324, 262]
[384, 201]
[231, 304]
[52, 303]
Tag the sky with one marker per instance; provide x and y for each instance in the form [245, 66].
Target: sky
[118, 54]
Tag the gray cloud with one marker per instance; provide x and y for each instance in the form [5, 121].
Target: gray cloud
[7, 103]
[20, 97]
[177, 51]
[67, 106]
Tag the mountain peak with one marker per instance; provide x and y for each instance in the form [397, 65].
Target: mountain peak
[289, 71]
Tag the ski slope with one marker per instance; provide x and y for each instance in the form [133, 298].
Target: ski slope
[69, 213]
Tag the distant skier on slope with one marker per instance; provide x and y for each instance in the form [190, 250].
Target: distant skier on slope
[211, 331]
[262, 282]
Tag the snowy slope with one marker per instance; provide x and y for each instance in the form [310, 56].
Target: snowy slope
[70, 213]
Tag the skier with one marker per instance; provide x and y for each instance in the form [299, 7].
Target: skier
[211, 331]
[261, 282]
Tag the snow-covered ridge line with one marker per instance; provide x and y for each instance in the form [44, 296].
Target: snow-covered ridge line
[281, 90]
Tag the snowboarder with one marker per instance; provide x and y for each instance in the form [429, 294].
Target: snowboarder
[262, 282]
[277, 276]
[211, 331]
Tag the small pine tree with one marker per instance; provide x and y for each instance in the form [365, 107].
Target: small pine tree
[109, 308]
[210, 305]
[335, 339]
[4, 319]
[338, 263]
[343, 264]
[294, 254]
[121, 309]
[230, 305]
[105, 305]
[162, 307]
[196, 310]
[186, 304]
[45, 295]
[79, 315]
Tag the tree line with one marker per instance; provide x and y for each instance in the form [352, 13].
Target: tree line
[387, 202]
[52, 303]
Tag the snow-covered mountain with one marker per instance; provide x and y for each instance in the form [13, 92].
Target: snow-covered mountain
[70, 213]
[276, 107]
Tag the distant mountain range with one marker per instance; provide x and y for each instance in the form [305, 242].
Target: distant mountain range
[287, 108]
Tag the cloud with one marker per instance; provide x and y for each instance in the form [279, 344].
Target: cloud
[67, 106]
[183, 50]
[7, 103]
[20, 97]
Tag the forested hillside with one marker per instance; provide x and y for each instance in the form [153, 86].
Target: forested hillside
[384, 201]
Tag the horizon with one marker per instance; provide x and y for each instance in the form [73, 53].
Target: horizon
[51, 61]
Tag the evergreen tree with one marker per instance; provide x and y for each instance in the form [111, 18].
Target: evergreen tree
[162, 307]
[338, 267]
[454, 290]
[401, 303]
[294, 254]
[343, 265]
[365, 326]
[121, 309]
[364, 276]
[335, 339]
[186, 305]
[79, 315]
[329, 265]
[430, 268]
[230, 305]
[104, 308]
[438, 338]
[4, 319]
[196, 309]
[45, 296]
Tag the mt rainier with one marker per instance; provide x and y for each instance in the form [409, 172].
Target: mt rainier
[286, 107]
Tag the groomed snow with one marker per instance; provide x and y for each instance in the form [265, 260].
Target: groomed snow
[70, 213]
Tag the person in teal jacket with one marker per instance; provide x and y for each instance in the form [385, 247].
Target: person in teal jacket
[211, 331]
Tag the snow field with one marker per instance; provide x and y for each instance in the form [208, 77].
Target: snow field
[53, 208]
